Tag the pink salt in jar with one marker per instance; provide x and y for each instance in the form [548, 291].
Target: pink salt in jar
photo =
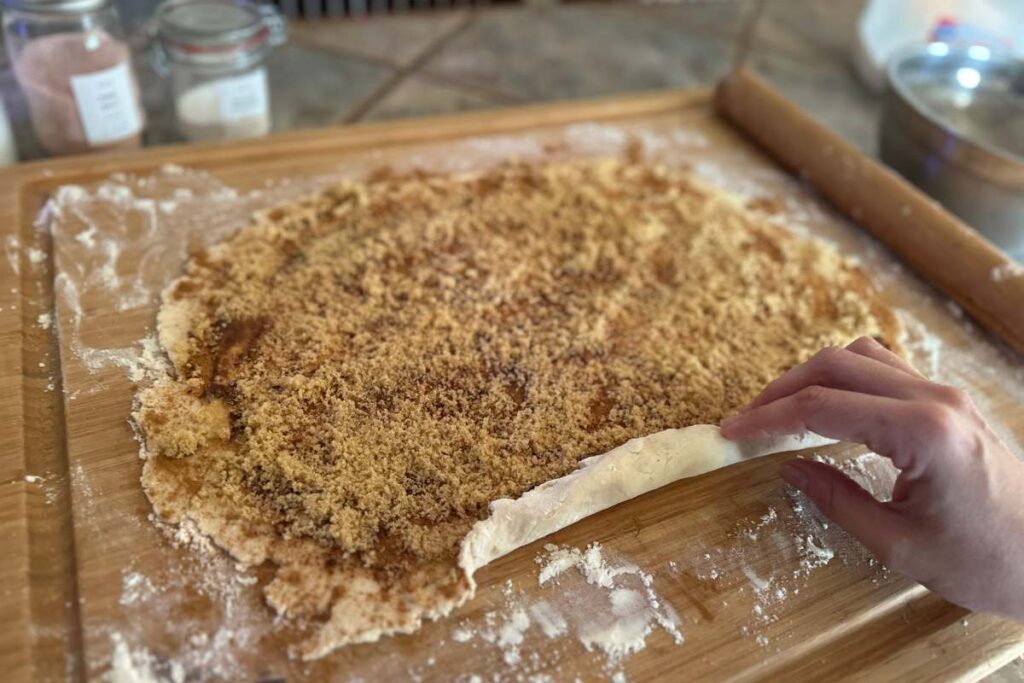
[76, 72]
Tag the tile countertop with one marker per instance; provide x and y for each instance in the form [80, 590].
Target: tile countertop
[415, 64]
[336, 71]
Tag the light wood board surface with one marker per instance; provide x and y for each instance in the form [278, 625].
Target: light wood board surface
[83, 568]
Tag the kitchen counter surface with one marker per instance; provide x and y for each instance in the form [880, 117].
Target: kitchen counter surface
[335, 71]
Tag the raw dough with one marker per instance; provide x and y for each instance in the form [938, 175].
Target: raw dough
[638, 466]
[363, 376]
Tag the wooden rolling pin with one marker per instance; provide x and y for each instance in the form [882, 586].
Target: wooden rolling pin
[944, 251]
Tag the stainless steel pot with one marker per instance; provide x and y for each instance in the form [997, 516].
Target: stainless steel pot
[953, 125]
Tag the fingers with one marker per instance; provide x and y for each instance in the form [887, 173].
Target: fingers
[888, 426]
[849, 370]
[866, 346]
[843, 501]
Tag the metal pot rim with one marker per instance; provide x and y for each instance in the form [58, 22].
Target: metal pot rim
[975, 153]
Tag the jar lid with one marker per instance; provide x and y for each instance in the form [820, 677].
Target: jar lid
[211, 25]
[55, 6]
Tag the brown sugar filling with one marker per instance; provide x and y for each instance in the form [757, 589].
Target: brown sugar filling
[370, 368]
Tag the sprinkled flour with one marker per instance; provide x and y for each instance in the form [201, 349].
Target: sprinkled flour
[549, 619]
[139, 665]
[216, 642]
[136, 587]
[590, 563]
[775, 556]
[511, 635]
[634, 612]
[606, 606]
[35, 256]
[1006, 271]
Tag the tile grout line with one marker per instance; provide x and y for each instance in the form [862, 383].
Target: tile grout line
[425, 73]
[477, 88]
[711, 25]
[834, 57]
[348, 53]
[403, 72]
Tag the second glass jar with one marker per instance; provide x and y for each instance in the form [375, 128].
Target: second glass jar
[215, 51]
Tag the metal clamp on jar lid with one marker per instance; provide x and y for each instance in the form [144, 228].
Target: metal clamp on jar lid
[214, 50]
[55, 6]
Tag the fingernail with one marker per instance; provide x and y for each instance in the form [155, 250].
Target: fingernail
[793, 475]
[728, 422]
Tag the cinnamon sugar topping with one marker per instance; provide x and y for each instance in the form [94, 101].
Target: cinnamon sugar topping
[361, 373]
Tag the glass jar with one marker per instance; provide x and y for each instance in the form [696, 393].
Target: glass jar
[215, 52]
[72, 63]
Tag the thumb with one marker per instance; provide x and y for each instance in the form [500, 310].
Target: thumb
[847, 504]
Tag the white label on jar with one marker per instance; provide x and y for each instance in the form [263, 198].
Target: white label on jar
[106, 104]
[243, 97]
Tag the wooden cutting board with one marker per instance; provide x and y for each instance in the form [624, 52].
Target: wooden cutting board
[85, 575]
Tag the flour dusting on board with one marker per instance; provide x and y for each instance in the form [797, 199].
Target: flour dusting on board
[588, 598]
[1006, 271]
[635, 610]
[770, 562]
[217, 637]
[12, 251]
[592, 597]
[118, 245]
[140, 665]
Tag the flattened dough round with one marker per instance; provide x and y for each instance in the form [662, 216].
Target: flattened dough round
[357, 376]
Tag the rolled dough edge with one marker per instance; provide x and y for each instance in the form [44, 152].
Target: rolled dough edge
[638, 466]
[630, 470]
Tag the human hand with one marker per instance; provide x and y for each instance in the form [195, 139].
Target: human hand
[956, 519]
